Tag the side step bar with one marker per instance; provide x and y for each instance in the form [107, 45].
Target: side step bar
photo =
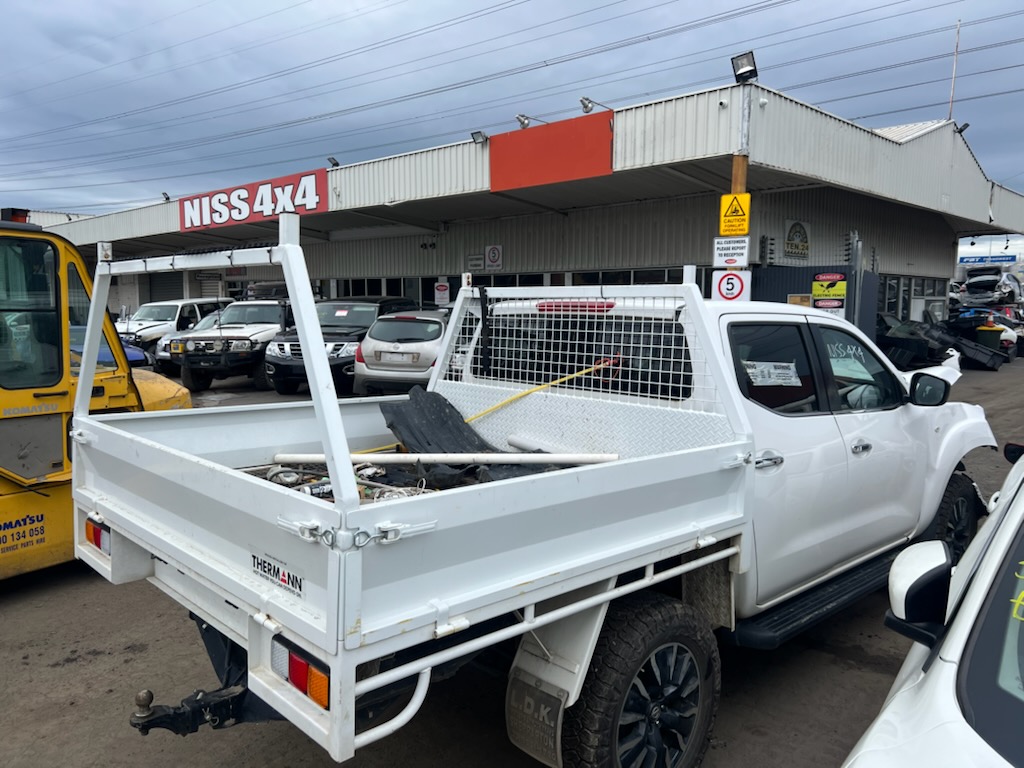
[770, 629]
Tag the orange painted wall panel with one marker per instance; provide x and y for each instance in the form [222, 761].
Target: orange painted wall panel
[580, 148]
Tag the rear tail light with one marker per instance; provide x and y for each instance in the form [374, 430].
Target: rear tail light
[98, 534]
[300, 669]
[359, 354]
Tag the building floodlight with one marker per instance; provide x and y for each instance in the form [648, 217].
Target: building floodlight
[525, 120]
[166, 196]
[479, 137]
[743, 67]
[334, 163]
[588, 105]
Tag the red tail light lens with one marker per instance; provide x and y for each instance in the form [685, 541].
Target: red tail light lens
[359, 354]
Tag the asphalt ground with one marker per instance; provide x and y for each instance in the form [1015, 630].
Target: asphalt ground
[74, 650]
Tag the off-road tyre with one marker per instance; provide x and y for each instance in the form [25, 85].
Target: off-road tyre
[168, 369]
[625, 709]
[956, 521]
[285, 386]
[260, 377]
[195, 381]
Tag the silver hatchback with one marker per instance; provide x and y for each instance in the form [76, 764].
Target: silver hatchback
[399, 352]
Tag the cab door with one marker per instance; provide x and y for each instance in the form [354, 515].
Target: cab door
[887, 441]
[800, 511]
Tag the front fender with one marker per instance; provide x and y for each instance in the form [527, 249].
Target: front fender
[966, 430]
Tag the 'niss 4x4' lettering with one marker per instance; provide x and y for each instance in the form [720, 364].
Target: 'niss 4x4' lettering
[259, 201]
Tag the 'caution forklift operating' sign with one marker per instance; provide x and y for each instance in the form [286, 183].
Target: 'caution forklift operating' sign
[735, 218]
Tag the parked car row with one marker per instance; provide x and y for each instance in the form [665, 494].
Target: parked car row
[375, 344]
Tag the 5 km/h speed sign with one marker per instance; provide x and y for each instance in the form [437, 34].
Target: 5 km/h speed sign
[730, 285]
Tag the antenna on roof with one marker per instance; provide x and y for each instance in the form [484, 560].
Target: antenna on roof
[956, 52]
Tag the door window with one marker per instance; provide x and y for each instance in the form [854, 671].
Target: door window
[862, 381]
[78, 316]
[31, 346]
[773, 367]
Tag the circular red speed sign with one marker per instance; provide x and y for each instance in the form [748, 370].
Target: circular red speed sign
[730, 286]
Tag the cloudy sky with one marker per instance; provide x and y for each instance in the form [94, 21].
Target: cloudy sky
[109, 104]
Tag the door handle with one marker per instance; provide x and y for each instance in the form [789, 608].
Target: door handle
[61, 393]
[768, 461]
[860, 446]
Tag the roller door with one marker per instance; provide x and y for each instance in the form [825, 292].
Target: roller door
[166, 285]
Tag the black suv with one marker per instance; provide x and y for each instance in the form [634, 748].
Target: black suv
[343, 323]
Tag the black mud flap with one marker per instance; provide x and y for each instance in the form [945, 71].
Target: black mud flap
[533, 716]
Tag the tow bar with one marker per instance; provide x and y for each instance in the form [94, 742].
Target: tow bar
[218, 709]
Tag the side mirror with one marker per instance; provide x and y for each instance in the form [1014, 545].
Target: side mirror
[919, 590]
[926, 389]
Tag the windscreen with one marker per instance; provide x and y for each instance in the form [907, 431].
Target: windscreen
[156, 312]
[241, 313]
[338, 314]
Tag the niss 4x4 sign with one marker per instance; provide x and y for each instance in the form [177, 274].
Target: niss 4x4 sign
[260, 201]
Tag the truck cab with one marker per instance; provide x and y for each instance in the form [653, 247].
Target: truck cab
[44, 298]
[830, 414]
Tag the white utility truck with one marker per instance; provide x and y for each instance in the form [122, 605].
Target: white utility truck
[610, 480]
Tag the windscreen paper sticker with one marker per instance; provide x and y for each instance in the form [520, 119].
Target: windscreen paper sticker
[772, 374]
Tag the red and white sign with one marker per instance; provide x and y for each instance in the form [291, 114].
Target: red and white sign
[730, 285]
[442, 296]
[829, 277]
[256, 202]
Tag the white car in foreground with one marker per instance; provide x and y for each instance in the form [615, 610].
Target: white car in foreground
[958, 700]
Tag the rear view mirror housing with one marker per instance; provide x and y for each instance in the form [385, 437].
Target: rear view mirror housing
[929, 390]
[919, 591]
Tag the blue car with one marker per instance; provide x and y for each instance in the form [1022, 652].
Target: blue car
[137, 357]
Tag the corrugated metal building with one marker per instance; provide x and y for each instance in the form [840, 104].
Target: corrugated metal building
[629, 195]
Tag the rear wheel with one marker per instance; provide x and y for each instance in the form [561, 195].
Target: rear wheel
[956, 522]
[195, 381]
[651, 693]
[286, 386]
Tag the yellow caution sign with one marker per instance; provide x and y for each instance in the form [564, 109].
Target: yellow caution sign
[735, 214]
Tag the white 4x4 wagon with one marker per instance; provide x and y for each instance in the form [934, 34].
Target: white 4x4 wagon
[153, 320]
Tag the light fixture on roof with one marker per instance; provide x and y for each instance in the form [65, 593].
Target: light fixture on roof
[333, 161]
[972, 241]
[166, 196]
[962, 128]
[588, 105]
[525, 120]
[1007, 246]
[743, 67]
[479, 137]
